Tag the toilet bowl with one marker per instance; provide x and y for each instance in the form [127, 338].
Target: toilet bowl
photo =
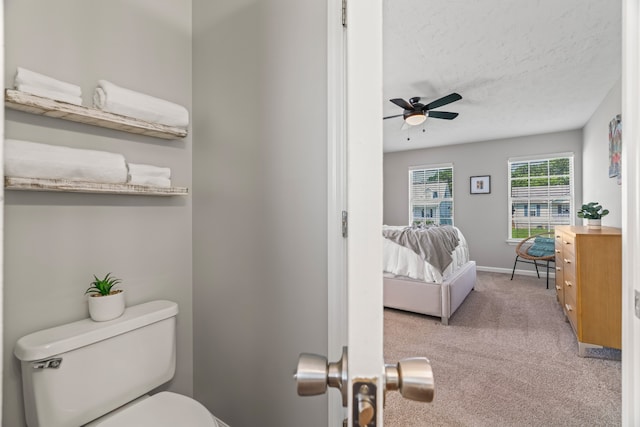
[64, 386]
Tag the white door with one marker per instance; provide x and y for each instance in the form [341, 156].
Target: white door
[355, 186]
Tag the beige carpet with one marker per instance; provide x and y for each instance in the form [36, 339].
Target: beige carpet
[507, 358]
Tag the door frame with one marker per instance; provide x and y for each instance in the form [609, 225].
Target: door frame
[630, 217]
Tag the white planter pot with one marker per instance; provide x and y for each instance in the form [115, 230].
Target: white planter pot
[107, 307]
[594, 223]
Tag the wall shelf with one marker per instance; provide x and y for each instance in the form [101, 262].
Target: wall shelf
[33, 104]
[63, 185]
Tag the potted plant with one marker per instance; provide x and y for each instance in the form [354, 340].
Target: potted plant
[105, 302]
[593, 213]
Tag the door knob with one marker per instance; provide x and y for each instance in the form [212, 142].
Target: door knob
[412, 377]
[314, 374]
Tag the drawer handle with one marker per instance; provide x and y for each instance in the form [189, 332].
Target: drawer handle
[569, 308]
[558, 269]
[568, 283]
[557, 251]
[559, 288]
[566, 243]
[568, 261]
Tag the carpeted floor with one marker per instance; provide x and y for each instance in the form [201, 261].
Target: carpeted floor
[507, 358]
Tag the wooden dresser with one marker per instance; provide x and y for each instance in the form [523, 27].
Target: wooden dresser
[589, 283]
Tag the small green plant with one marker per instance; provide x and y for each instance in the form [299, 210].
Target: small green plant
[592, 210]
[103, 286]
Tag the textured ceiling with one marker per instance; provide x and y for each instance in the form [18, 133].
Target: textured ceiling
[522, 67]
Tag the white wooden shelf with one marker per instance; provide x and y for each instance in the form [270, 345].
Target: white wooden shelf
[62, 185]
[33, 104]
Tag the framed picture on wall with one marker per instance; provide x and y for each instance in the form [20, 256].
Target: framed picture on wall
[480, 184]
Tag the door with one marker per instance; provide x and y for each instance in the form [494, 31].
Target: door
[355, 237]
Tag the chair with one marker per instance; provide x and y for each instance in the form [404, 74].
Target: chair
[534, 249]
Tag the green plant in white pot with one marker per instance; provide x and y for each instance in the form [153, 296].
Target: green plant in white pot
[593, 213]
[105, 302]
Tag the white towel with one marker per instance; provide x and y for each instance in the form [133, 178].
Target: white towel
[139, 169]
[151, 181]
[46, 93]
[31, 78]
[114, 99]
[35, 160]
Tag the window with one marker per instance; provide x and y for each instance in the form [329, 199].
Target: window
[431, 195]
[540, 194]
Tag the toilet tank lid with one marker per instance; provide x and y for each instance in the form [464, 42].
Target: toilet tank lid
[60, 339]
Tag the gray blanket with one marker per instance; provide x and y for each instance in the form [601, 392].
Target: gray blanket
[433, 244]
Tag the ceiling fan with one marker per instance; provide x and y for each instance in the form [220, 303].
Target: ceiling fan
[416, 113]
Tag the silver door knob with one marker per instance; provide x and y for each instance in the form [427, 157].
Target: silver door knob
[413, 377]
[314, 374]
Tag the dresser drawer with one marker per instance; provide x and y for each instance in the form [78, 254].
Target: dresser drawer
[571, 310]
[569, 282]
[568, 244]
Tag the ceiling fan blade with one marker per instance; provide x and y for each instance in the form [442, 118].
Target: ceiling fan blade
[402, 103]
[391, 117]
[442, 101]
[442, 115]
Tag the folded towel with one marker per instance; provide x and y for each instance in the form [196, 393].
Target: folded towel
[46, 93]
[151, 181]
[114, 99]
[151, 171]
[35, 160]
[31, 78]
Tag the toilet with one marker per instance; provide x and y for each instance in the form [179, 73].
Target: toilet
[100, 373]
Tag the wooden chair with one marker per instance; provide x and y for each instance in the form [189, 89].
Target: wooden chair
[534, 249]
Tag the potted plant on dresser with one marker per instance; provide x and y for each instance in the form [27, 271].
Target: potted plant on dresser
[593, 213]
[105, 302]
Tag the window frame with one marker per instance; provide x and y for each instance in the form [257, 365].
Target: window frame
[532, 212]
[440, 197]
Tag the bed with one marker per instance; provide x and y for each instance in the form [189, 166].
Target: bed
[434, 283]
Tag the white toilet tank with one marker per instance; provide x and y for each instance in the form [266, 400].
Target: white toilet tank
[74, 373]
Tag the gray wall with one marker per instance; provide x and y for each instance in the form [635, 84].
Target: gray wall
[597, 186]
[260, 191]
[483, 219]
[55, 242]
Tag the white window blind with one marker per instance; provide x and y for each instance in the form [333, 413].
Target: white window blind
[540, 194]
[431, 196]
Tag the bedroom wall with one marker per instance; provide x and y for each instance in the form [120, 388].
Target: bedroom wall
[55, 242]
[483, 219]
[260, 207]
[596, 184]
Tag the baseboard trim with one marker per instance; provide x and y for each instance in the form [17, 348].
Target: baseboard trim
[519, 272]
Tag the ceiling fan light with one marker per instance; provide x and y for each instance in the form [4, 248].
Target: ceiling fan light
[415, 118]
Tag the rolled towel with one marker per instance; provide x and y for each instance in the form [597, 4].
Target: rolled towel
[151, 181]
[139, 169]
[114, 99]
[46, 93]
[31, 78]
[28, 159]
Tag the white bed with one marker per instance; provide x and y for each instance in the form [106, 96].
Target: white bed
[412, 284]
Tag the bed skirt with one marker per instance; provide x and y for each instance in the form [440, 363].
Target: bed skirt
[433, 299]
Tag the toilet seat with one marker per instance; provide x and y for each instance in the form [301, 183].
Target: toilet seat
[164, 409]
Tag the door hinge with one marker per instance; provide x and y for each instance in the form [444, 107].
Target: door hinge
[345, 224]
[344, 13]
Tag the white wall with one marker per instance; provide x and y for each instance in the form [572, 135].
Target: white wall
[55, 242]
[483, 219]
[596, 184]
[260, 206]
